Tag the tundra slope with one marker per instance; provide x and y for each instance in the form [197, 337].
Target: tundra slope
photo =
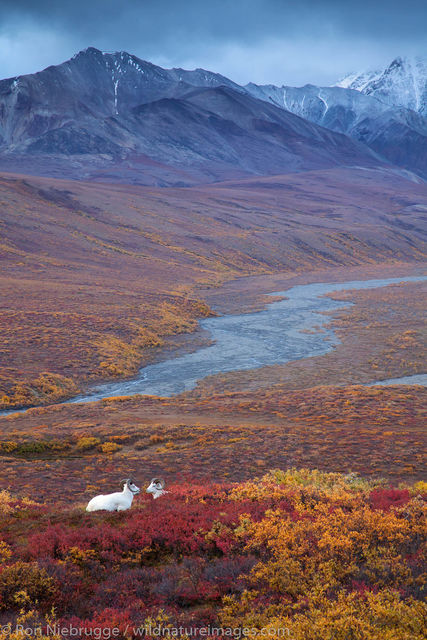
[96, 276]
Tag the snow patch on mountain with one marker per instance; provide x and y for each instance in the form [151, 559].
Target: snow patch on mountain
[397, 133]
[402, 84]
[358, 81]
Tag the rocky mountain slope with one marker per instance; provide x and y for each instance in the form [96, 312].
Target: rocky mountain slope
[114, 116]
[397, 133]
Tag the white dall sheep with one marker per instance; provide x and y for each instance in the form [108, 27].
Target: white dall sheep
[119, 501]
[157, 487]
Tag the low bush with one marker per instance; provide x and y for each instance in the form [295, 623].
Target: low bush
[321, 555]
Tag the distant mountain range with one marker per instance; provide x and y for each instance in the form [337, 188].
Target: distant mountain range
[386, 109]
[112, 116]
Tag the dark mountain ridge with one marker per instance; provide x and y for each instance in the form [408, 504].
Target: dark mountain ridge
[114, 116]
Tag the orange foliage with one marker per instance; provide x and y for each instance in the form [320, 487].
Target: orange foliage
[296, 553]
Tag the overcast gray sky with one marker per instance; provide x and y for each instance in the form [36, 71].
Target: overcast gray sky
[265, 41]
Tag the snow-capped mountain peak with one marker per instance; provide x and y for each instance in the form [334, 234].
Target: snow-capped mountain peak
[358, 80]
[402, 84]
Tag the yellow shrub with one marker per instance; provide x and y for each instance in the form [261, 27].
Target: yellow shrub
[81, 557]
[5, 500]
[155, 439]
[110, 447]
[378, 616]
[420, 487]
[87, 442]
[5, 551]
[29, 620]
[8, 447]
[38, 586]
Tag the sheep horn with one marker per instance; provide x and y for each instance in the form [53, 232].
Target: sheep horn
[159, 481]
[125, 481]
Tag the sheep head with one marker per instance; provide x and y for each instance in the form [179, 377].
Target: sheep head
[156, 487]
[129, 483]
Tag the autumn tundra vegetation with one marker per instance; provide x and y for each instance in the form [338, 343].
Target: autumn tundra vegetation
[96, 277]
[300, 552]
[296, 502]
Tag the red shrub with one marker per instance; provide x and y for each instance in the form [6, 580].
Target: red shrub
[386, 498]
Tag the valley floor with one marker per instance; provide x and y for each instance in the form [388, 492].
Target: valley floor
[297, 501]
[314, 412]
[96, 278]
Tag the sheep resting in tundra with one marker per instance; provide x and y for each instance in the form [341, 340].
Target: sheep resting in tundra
[119, 501]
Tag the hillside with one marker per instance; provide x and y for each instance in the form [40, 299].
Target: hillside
[94, 277]
[114, 117]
